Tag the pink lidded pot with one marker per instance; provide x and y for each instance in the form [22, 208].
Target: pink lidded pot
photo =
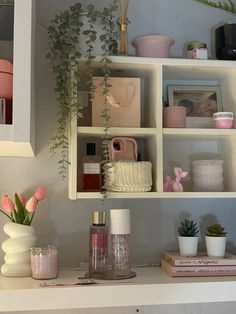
[153, 46]
[6, 79]
[223, 120]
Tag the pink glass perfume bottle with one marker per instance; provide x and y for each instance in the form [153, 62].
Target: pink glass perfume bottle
[98, 245]
[120, 238]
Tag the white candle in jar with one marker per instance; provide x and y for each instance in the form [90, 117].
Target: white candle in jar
[44, 263]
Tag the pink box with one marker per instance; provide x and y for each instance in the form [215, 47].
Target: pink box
[123, 102]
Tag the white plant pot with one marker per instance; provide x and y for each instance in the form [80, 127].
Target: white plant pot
[17, 249]
[215, 246]
[188, 246]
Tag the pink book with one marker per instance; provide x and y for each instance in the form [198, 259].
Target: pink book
[201, 259]
[197, 271]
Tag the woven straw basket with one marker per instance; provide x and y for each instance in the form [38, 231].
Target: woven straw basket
[130, 176]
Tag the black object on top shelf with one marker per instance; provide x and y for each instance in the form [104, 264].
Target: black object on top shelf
[225, 42]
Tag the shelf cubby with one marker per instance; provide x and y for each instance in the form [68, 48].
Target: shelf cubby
[168, 147]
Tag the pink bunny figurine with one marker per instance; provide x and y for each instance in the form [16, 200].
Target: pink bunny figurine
[168, 185]
[177, 186]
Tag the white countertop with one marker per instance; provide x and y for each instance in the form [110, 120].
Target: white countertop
[151, 286]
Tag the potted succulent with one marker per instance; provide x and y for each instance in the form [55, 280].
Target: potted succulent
[188, 237]
[215, 240]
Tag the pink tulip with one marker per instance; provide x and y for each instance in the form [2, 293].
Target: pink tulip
[31, 204]
[7, 204]
[22, 199]
[40, 193]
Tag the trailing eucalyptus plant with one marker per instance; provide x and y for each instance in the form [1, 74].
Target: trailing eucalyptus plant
[64, 39]
[227, 6]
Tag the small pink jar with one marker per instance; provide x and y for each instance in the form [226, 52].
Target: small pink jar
[223, 120]
[197, 50]
[6, 79]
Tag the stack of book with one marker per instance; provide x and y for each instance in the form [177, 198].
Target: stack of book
[200, 265]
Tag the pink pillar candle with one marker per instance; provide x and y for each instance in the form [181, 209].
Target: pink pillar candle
[44, 263]
[174, 117]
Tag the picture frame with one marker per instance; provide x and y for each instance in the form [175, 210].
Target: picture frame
[200, 101]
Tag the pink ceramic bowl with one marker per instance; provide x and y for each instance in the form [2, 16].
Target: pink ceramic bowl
[6, 79]
[154, 46]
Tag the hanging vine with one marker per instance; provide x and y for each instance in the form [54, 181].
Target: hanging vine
[64, 39]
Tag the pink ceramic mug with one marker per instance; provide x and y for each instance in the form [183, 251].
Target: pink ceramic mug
[174, 117]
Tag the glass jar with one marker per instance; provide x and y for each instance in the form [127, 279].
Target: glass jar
[197, 50]
[207, 175]
[44, 262]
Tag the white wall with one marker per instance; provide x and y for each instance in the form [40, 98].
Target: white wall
[64, 222]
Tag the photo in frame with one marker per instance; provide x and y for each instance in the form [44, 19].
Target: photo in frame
[200, 102]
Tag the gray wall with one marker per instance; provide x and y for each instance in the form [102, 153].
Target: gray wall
[65, 223]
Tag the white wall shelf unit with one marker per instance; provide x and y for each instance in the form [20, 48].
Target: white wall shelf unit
[166, 147]
[152, 286]
[18, 139]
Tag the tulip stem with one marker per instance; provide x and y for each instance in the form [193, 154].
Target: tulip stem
[25, 220]
[31, 218]
[5, 214]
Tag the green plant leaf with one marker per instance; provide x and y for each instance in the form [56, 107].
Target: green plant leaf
[220, 5]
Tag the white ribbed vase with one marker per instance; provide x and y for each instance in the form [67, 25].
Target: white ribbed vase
[17, 249]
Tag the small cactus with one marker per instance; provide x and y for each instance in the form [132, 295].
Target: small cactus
[188, 228]
[216, 230]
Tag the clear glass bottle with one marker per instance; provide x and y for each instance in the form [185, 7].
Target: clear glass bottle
[98, 245]
[91, 170]
[123, 39]
[120, 242]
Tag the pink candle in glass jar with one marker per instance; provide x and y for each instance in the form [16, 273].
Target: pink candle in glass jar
[223, 120]
[44, 262]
